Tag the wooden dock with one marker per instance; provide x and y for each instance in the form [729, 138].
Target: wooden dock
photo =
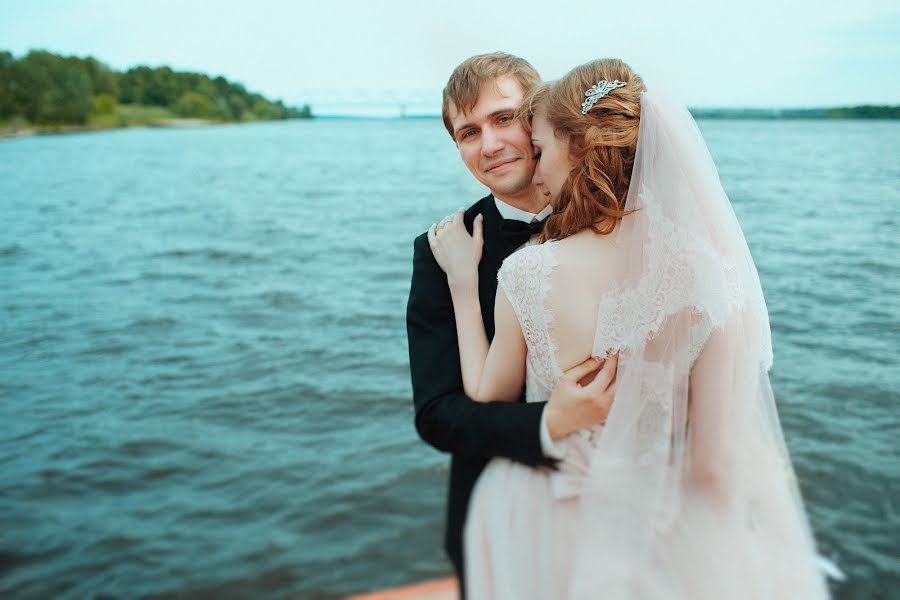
[440, 589]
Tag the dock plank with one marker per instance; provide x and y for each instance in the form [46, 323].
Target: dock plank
[439, 589]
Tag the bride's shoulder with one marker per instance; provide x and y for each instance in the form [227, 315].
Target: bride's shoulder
[584, 249]
[527, 260]
[527, 254]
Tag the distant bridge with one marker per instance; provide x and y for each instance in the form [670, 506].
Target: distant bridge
[366, 102]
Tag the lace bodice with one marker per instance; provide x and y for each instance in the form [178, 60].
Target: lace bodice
[525, 279]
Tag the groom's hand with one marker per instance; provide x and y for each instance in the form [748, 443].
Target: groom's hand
[583, 397]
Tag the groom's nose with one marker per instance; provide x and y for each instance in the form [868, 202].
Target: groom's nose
[491, 141]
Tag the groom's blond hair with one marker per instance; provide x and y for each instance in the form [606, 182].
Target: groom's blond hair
[470, 77]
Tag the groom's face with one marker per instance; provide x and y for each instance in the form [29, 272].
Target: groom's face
[492, 142]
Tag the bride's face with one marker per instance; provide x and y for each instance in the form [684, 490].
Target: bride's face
[553, 164]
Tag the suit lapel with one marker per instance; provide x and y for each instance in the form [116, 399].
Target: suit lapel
[495, 246]
[495, 251]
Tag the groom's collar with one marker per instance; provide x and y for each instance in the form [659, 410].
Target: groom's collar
[517, 214]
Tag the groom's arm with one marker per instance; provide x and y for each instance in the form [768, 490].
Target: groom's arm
[445, 417]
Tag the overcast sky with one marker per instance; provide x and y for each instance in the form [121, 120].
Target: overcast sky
[764, 53]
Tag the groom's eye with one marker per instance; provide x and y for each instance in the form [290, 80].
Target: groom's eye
[505, 118]
[468, 133]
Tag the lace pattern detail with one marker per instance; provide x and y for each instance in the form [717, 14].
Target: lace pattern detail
[672, 281]
[525, 278]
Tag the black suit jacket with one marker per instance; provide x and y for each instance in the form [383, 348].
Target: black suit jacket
[446, 418]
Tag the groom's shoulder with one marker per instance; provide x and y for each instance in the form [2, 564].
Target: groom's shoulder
[421, 242]
[476, 209]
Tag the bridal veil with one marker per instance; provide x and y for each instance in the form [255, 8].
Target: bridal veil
[691, 492]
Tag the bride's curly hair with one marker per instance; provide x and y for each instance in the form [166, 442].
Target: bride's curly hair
[602, 144]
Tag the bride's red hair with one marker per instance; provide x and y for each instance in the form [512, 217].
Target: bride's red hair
[602, 144]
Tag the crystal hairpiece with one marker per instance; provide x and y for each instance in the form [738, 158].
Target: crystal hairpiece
[598, 91]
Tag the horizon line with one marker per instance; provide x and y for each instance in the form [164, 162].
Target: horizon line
[395, 111]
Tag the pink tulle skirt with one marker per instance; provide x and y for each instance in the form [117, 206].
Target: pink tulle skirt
[523, 526]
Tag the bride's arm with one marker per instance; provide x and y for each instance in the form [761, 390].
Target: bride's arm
[715, 385]
[495, 371]
[470, 333]
[490, 372]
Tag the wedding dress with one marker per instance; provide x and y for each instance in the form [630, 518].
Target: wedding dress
[687, 491]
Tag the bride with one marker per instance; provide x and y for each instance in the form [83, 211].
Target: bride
[687, 490]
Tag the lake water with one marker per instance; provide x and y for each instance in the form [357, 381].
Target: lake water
[204, 382]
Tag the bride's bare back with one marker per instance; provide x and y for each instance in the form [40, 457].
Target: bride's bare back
[586, 268]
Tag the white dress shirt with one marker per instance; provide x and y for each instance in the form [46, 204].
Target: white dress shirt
[511, 212]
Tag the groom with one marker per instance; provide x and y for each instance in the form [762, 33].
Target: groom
[479, 107]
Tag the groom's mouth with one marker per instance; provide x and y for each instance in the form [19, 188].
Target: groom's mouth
[499, 166]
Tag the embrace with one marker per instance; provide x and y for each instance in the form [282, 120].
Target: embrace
[591, 344]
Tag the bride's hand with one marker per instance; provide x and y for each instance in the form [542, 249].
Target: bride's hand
[457, 252]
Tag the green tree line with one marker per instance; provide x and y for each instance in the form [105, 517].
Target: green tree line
[49, 89]
[847, 112]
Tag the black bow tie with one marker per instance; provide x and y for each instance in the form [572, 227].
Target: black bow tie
[519, 232]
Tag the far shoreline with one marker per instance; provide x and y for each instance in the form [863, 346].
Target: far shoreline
[21, 131]
[26, 131]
